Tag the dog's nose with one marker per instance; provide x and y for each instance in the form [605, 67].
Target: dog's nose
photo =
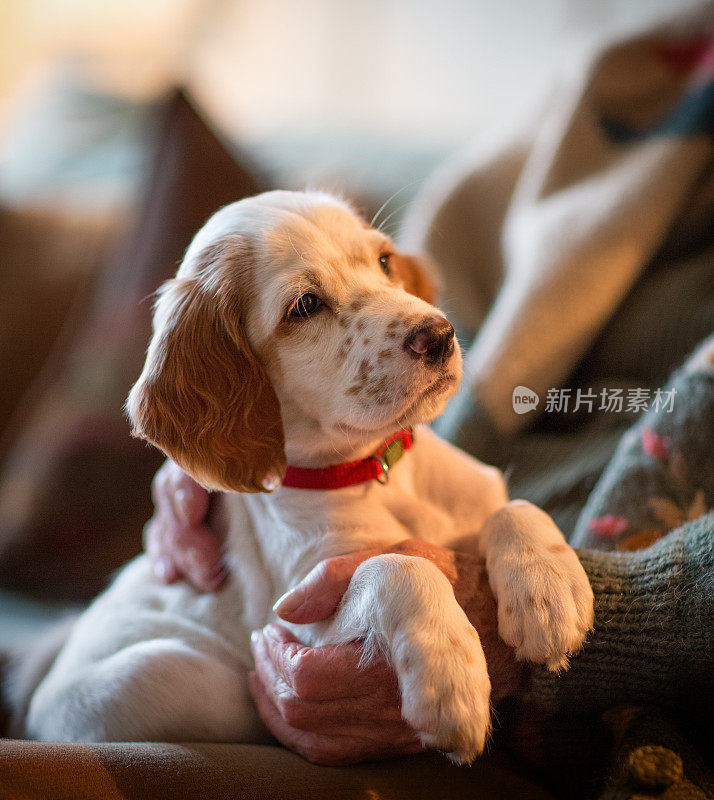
[432, 340]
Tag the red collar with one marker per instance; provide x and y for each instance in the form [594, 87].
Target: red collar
[373, 467]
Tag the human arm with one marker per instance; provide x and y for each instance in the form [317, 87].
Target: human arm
[653, 642]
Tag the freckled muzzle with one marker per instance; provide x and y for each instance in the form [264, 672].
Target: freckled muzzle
[431, 341]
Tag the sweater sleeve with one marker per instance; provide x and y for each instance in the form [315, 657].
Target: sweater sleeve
[653, 640]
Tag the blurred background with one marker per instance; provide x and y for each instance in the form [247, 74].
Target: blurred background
[123, 125]
[311, 86]
[432, 72]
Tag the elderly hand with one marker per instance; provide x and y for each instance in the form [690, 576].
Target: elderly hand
[177, 537]
[321, 703]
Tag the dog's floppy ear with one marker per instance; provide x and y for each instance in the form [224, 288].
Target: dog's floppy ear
[203, 397]
[417, 275]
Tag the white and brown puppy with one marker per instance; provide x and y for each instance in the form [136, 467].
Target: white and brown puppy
[294, 334]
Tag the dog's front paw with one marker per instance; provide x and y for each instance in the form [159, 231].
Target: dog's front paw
[445, 689]
[545, 604]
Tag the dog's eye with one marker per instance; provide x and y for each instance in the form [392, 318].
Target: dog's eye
[384, 264]
[305, 305]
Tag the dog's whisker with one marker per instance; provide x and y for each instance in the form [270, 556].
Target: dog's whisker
[389, 200]
[390, 215]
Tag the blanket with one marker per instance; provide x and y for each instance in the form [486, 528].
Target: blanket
[542, 232]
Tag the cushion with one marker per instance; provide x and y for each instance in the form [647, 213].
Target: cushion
[47, 262]
[74, 487]
[147, 771]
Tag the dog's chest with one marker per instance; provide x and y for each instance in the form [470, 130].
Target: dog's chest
[422, 518]
[286, 534]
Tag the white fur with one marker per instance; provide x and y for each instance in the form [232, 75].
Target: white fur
[150, 661]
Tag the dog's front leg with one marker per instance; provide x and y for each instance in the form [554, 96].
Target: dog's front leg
[405, 607]
[545, 603]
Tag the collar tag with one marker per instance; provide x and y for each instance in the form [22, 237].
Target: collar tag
[388, 457]
[392, 453]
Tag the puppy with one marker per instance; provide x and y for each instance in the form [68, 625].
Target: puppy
[290, 356]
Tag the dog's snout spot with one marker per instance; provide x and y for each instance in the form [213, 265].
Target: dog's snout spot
[361, 324]
[356, 305]
[431, 341]
[378, 387]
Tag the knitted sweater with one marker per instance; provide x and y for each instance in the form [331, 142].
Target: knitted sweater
[653, 642]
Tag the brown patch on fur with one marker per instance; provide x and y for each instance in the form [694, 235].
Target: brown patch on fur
[203, 396]
[384, 354]
[348, 341]
[366, 341]
[354, 389]
[356, 305]
[361, 324]
[509, 610]
[377, 388]
[415, 275]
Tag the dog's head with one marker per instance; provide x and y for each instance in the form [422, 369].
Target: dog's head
[291, 325]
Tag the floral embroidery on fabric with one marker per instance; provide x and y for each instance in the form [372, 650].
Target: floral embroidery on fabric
[609, 526]
[655, 445]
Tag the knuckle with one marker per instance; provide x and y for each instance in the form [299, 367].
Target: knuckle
[161, 479]
[151, 536]
[303, 677]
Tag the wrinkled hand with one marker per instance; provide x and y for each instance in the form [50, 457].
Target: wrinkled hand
[321, 703]
[177, 537]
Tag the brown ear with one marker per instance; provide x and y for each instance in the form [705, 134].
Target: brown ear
[203, 397]
[417, 275]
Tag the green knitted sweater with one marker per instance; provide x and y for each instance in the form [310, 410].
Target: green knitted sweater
[653, 641]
